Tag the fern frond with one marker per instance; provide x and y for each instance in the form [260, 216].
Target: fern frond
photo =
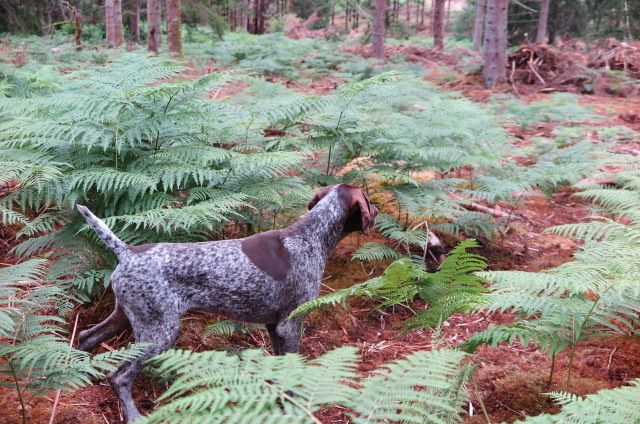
[372, 251]
[618, 405]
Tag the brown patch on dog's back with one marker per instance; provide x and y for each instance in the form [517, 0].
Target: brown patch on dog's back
[142, 248]
[268, 252]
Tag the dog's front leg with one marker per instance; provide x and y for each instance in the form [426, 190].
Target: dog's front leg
[289, 333]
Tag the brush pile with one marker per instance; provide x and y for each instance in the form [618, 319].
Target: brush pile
[618, 56]
[536, 64]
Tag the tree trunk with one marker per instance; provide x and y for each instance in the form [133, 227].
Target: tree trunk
[478, 27]
[346, 17]
[495, 42]
[244, 14]
[542, 36]
[262, 27]
[118, 38]
[135, 21]
[154, 23]
[256, 16]
[113, 22]
[174, 35]
[438, 24]
[108, 22]
[380, 7]
[356, 23]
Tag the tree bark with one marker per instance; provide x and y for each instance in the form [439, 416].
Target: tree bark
[117, 22]
[542, 35]
[438, 24]
[113, 22]
[135, 21]
[244, 14]
[495, 42]
[478, 27]
[262, 27]
[154, 23]
[108, 22]
[174, 34]
[377, 38]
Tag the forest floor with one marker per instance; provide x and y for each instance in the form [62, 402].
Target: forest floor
[510, 379]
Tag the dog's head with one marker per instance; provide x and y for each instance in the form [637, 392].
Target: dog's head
[361, 214]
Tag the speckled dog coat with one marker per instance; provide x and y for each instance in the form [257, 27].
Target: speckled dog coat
[258, 279]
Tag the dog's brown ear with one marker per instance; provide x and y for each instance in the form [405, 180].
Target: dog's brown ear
[358, 202]
[318, 196]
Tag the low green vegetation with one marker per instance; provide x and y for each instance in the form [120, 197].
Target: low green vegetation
[165, 152]
[216, 387]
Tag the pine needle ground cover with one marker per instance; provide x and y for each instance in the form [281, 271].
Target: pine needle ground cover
[187, 152]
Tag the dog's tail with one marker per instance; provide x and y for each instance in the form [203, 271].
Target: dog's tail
[105, 234]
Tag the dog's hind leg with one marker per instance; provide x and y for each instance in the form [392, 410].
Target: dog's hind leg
[108, 328]
[158, 333]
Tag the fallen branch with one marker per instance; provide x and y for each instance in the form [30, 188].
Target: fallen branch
[533, 69]
[472, 206]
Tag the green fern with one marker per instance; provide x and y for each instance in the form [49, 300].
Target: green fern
[453, 288]
[593, 296]
[229, 328]
[217, 387]
[34, 356]
[607, 406]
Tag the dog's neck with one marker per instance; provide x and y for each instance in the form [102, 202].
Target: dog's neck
[322, 227]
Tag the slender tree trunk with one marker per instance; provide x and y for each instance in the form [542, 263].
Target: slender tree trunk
[408, 10]
[135, 21]
[495, 42]
[174, 35]
[478, 27]
[438, 24]
[77, 22]
[542, 35]
[263, 4]
[117, 22]
[448, 20]
[244, 4]
[256, 16]
[154, 22]
[108, 22]
[377, 38]
[627, 21]
[346, 17]
[113, 22]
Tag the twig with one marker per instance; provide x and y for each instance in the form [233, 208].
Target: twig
[464, 324]
[524, 6]
[611, 357]
[536, 73]
[513, 81]
[327, 287]
[491, 211]
[57, 398]
[484, 410]
[290, 398]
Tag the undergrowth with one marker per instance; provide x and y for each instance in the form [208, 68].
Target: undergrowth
[164, 155]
